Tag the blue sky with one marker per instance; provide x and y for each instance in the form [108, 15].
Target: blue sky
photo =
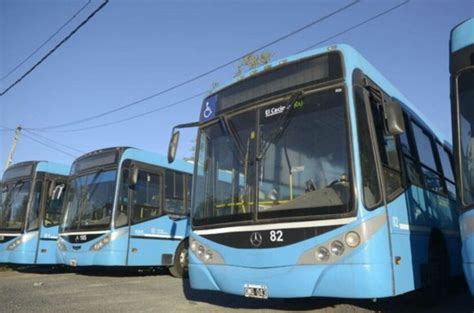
[132, 49]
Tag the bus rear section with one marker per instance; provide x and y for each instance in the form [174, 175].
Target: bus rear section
[302, 187]
[31, 206]
[126, 207]
[462, 107]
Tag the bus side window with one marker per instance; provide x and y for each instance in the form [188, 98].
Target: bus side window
[121, 215]
[147, 197]
[174, 192]
[54, 203]
[432, 179]
[370, 182]
[446, 164]
[388, 150]
[412, 166]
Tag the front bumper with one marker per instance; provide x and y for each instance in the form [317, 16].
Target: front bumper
[341, 280]
[93, 258]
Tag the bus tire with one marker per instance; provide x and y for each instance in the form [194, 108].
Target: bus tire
[180, 263]
[436, 274]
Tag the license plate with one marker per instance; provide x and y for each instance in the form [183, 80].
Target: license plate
[73, 263]
[256, 291]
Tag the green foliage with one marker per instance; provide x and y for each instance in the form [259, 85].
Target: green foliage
[252, 61]
[215, 84]
[248, 63]
[192, 151]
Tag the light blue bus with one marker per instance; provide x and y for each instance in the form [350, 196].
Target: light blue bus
[126, 207]
[30, 209]
[462, 99]
[338, 186]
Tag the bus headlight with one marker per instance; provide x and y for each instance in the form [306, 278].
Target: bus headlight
[61, 245]
[193, 245]
[337, 247]
[208, 255]
[352, 239]
[322, 254]
[14, 244]
[102, 243]
[203, 253]
[200, 250]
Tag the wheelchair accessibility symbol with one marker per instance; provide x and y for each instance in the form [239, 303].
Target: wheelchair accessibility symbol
[209, 108]
[207, 111]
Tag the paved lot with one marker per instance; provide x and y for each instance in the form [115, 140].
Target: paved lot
[41, 291]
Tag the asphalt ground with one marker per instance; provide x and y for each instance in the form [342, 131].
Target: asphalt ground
[46, 290]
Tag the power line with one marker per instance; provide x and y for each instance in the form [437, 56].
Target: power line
[49, 146]
[84, 22]
[188, 81]
[46, 41]
[204, 92]
[54, 141]
[132, 117]
[356, 25]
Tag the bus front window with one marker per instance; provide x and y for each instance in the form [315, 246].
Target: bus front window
[305, 171]
[90, 201]
[466, 133]
[222, 193]
[268, 163]
[15, 201]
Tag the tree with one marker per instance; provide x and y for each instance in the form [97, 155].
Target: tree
[249, 62]
[252, 61]
[215, 84]
[192, 151]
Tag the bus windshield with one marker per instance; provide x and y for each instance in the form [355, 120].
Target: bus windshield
[466, 132]
[266, 163]
[14, 203]
[89, 201]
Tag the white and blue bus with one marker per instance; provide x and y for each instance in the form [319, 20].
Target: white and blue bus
[338, 186]
[30, 209]
[462, 106]
[126, 207]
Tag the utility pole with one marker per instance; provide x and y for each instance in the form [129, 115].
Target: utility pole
[13, 147]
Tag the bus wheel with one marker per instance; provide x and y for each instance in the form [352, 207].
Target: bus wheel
[436, 274]
[180, 264]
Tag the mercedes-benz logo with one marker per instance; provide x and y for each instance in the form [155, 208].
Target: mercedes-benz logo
[256, 239]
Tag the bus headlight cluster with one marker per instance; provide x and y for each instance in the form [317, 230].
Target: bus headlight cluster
[15, 244]
[102, 243]
[61, 245]
[337, 247]
[204, 254]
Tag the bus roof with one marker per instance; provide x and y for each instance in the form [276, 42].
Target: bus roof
[53, 168]
[44, 166]
[462, 35]
[156, 159]
[352, 60]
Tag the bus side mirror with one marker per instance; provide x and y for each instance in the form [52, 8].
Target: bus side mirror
[173, 146]
[133, 177]
[394, 116]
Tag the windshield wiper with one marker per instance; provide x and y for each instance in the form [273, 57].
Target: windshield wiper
[230, 132]
[9, 198]
[96, 176]
[283, 123]
[86, 196]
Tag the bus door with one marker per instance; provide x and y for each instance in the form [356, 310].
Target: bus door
[396, 200]
[145, 208]
[51, 204]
